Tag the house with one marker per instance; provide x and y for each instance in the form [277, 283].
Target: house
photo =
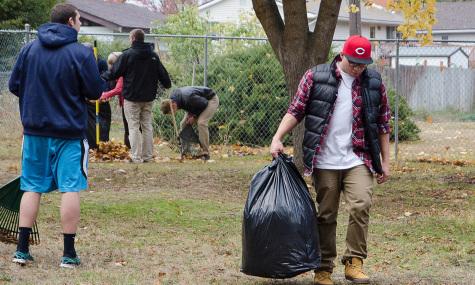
[455, 21]
[376, 21]
[443, 56]
[98, 16]
[224, 11]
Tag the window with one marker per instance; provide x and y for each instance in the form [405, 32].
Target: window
[390, 33]
[372, 32]
[444, 38]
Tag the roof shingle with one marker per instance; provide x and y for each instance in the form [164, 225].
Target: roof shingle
[455, 16]
[426, 51]
[124, 15]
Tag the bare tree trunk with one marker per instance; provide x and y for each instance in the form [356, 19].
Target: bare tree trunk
[293, 73]
[296, 48]
[355, 19]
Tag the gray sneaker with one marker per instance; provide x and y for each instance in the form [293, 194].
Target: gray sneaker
[134, 161]
[22, 258]
[69, 262]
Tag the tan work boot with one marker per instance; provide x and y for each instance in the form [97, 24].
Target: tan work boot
[323, 278]
[354, 271]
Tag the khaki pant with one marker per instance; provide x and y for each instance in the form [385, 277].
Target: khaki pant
[203, 119]
[139, 117]
[356, 184]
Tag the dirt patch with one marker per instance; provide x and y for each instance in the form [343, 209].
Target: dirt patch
[189, 180]
[461, 178]
[448, 140]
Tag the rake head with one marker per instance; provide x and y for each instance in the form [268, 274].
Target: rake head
[10, 198]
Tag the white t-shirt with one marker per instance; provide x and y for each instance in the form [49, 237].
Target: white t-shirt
[337, 149]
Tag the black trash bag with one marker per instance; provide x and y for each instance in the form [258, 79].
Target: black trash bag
[279, 229]
[189, 141]
[188, 135]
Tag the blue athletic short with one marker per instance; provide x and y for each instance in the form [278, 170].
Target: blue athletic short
[53, 163]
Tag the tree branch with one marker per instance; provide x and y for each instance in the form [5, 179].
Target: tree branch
[269, 16]
[324, 28]
[295, 17]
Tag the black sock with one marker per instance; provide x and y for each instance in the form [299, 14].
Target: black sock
[24, 240]
[69, 250]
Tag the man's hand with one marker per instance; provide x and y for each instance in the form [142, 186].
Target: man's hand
[276, 147]
[381, 178]
[190, 119]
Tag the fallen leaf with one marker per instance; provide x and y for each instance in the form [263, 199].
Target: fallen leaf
[120, 263]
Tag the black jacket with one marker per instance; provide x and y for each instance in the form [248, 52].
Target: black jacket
[142, 70]
[193, 99]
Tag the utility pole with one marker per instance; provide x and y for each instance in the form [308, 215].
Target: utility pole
[355, 18]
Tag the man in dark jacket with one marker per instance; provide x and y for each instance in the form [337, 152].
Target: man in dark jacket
[200, 103]
[53, 77]
[346, 141]
[142, 71]
[105, 114]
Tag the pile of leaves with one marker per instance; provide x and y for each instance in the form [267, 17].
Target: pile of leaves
[443, 161]
[109, 151]
[242, 150]
[7, 237]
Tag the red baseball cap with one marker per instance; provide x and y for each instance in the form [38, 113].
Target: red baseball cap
[358, 49]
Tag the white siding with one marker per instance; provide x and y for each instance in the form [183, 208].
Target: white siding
[227, 11]
[97, 29]
[459, 59]
[342, 31]
[379, 28]
[430, 61]
[456, 37]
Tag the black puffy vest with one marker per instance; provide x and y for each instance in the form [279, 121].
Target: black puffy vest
[322, 98]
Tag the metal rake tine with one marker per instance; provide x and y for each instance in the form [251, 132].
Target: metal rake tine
[17, 221]
[11, 221]
[3, 216]
[35, 234]
[6, 220]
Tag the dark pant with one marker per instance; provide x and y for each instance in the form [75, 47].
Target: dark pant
[104, 123]
[126, 129]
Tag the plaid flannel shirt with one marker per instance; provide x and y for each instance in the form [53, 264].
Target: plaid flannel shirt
[299, 103]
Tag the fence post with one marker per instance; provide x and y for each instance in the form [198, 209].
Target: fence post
[205, 72]
[396, 100]
[27, 33]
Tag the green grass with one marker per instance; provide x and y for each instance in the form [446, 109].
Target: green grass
[194, 215]
[180, 223]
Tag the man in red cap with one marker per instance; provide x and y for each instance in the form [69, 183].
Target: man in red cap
[346, 146]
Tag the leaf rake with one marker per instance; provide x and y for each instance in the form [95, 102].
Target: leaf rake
[10, 198]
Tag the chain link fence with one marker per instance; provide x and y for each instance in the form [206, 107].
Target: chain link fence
[251, 86]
